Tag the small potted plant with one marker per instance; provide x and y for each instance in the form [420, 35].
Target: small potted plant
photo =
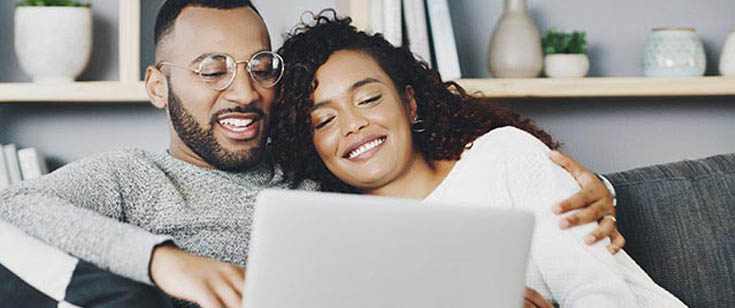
[53, 39]
[566, 54]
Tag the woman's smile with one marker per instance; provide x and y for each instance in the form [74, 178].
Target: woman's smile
[364, 149]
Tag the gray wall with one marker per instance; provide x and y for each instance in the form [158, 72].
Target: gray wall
[612, 135]
[606, 135]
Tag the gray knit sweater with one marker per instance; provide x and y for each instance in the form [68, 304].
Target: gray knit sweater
[113, 209]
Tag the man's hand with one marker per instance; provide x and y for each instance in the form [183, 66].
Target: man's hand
[206, 282]
[531, 299]
[595, 201]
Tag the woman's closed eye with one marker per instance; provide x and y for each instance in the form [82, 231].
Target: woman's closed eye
[324, 122]
[370, 100]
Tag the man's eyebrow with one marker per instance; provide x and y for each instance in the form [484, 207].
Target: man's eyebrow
[353, 87]
[204, 55]
[200, 58]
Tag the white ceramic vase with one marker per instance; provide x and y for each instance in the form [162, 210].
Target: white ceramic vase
[53, 44]
[566, 65]
[673, 52]
[515, 46]
[727, 59]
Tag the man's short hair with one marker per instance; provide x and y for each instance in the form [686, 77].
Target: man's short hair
[171, 9]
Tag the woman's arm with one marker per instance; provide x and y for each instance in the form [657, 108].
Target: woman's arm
[578, 275]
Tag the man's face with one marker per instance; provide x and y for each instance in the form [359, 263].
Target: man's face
[221, 129]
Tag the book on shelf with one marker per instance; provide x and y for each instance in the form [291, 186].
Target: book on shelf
[417, 29]
[19, 165]
[13, 166]
[4, 175]
[358, 10]
[393, 21]
[375, 16]
[442, 36]
[32, 163]
[428, 28]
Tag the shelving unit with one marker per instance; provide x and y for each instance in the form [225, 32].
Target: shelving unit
[128, 88]
[602, 87]
[536, 88]
[98, 92]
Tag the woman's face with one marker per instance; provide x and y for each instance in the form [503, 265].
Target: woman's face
[361, 123]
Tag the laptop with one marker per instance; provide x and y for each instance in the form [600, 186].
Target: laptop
[323, 250]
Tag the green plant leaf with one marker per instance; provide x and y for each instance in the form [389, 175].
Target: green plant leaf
[556, 42]
[71, 3]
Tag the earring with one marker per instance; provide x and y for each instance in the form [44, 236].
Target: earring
[417, 125]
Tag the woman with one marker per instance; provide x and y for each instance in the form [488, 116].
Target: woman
[359, 115]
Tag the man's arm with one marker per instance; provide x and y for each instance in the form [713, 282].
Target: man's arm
[595, 200]
[79, 209]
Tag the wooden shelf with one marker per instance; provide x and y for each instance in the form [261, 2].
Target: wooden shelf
[116, 92]
[78, 92]
[601, 87]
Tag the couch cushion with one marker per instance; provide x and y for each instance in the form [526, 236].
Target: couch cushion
[34, 274]
[679, 223]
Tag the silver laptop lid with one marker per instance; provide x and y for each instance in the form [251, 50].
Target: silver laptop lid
[320, 250]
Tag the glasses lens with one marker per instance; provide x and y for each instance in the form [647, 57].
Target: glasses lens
[266, 68]
[216, 71]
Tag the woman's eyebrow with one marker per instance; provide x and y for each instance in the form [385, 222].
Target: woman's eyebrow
[363, 82]
[319, 105]
[353, 87]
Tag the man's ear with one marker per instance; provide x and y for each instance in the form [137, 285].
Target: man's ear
[411, 104]
[156, 86]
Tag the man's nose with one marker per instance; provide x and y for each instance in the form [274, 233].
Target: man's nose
[243, 90]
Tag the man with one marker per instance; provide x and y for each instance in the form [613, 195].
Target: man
[181, 220]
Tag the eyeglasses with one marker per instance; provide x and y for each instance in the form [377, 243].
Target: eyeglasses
[218, 71]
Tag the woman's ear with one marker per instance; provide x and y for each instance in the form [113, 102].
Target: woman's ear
[411, 104]
[156, 86]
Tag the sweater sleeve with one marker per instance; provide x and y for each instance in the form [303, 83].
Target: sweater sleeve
[577, 275]
[79, 209]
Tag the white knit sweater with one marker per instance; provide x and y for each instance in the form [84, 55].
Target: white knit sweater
[510, 168]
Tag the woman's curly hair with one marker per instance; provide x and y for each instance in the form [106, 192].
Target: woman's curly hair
[452, 118]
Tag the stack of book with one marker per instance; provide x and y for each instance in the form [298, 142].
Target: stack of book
[18, 165]
[427, 26]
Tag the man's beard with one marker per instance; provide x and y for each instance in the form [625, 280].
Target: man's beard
[203, 142]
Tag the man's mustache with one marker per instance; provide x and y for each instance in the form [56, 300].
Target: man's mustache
[238, 109]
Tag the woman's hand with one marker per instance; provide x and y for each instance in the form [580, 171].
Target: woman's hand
[531, 299]
[595, 201]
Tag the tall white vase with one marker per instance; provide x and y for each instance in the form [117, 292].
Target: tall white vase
[53, 44]
[727, 59]
[515, 46]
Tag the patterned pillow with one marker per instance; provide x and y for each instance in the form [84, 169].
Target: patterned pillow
[39, 276]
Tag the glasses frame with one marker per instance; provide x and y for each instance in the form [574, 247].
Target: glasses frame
[198, 70]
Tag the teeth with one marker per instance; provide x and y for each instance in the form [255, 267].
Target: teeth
[366, 147]
[236, 124]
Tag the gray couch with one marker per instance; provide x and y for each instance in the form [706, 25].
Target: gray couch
[679, 223]
[678, 219]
